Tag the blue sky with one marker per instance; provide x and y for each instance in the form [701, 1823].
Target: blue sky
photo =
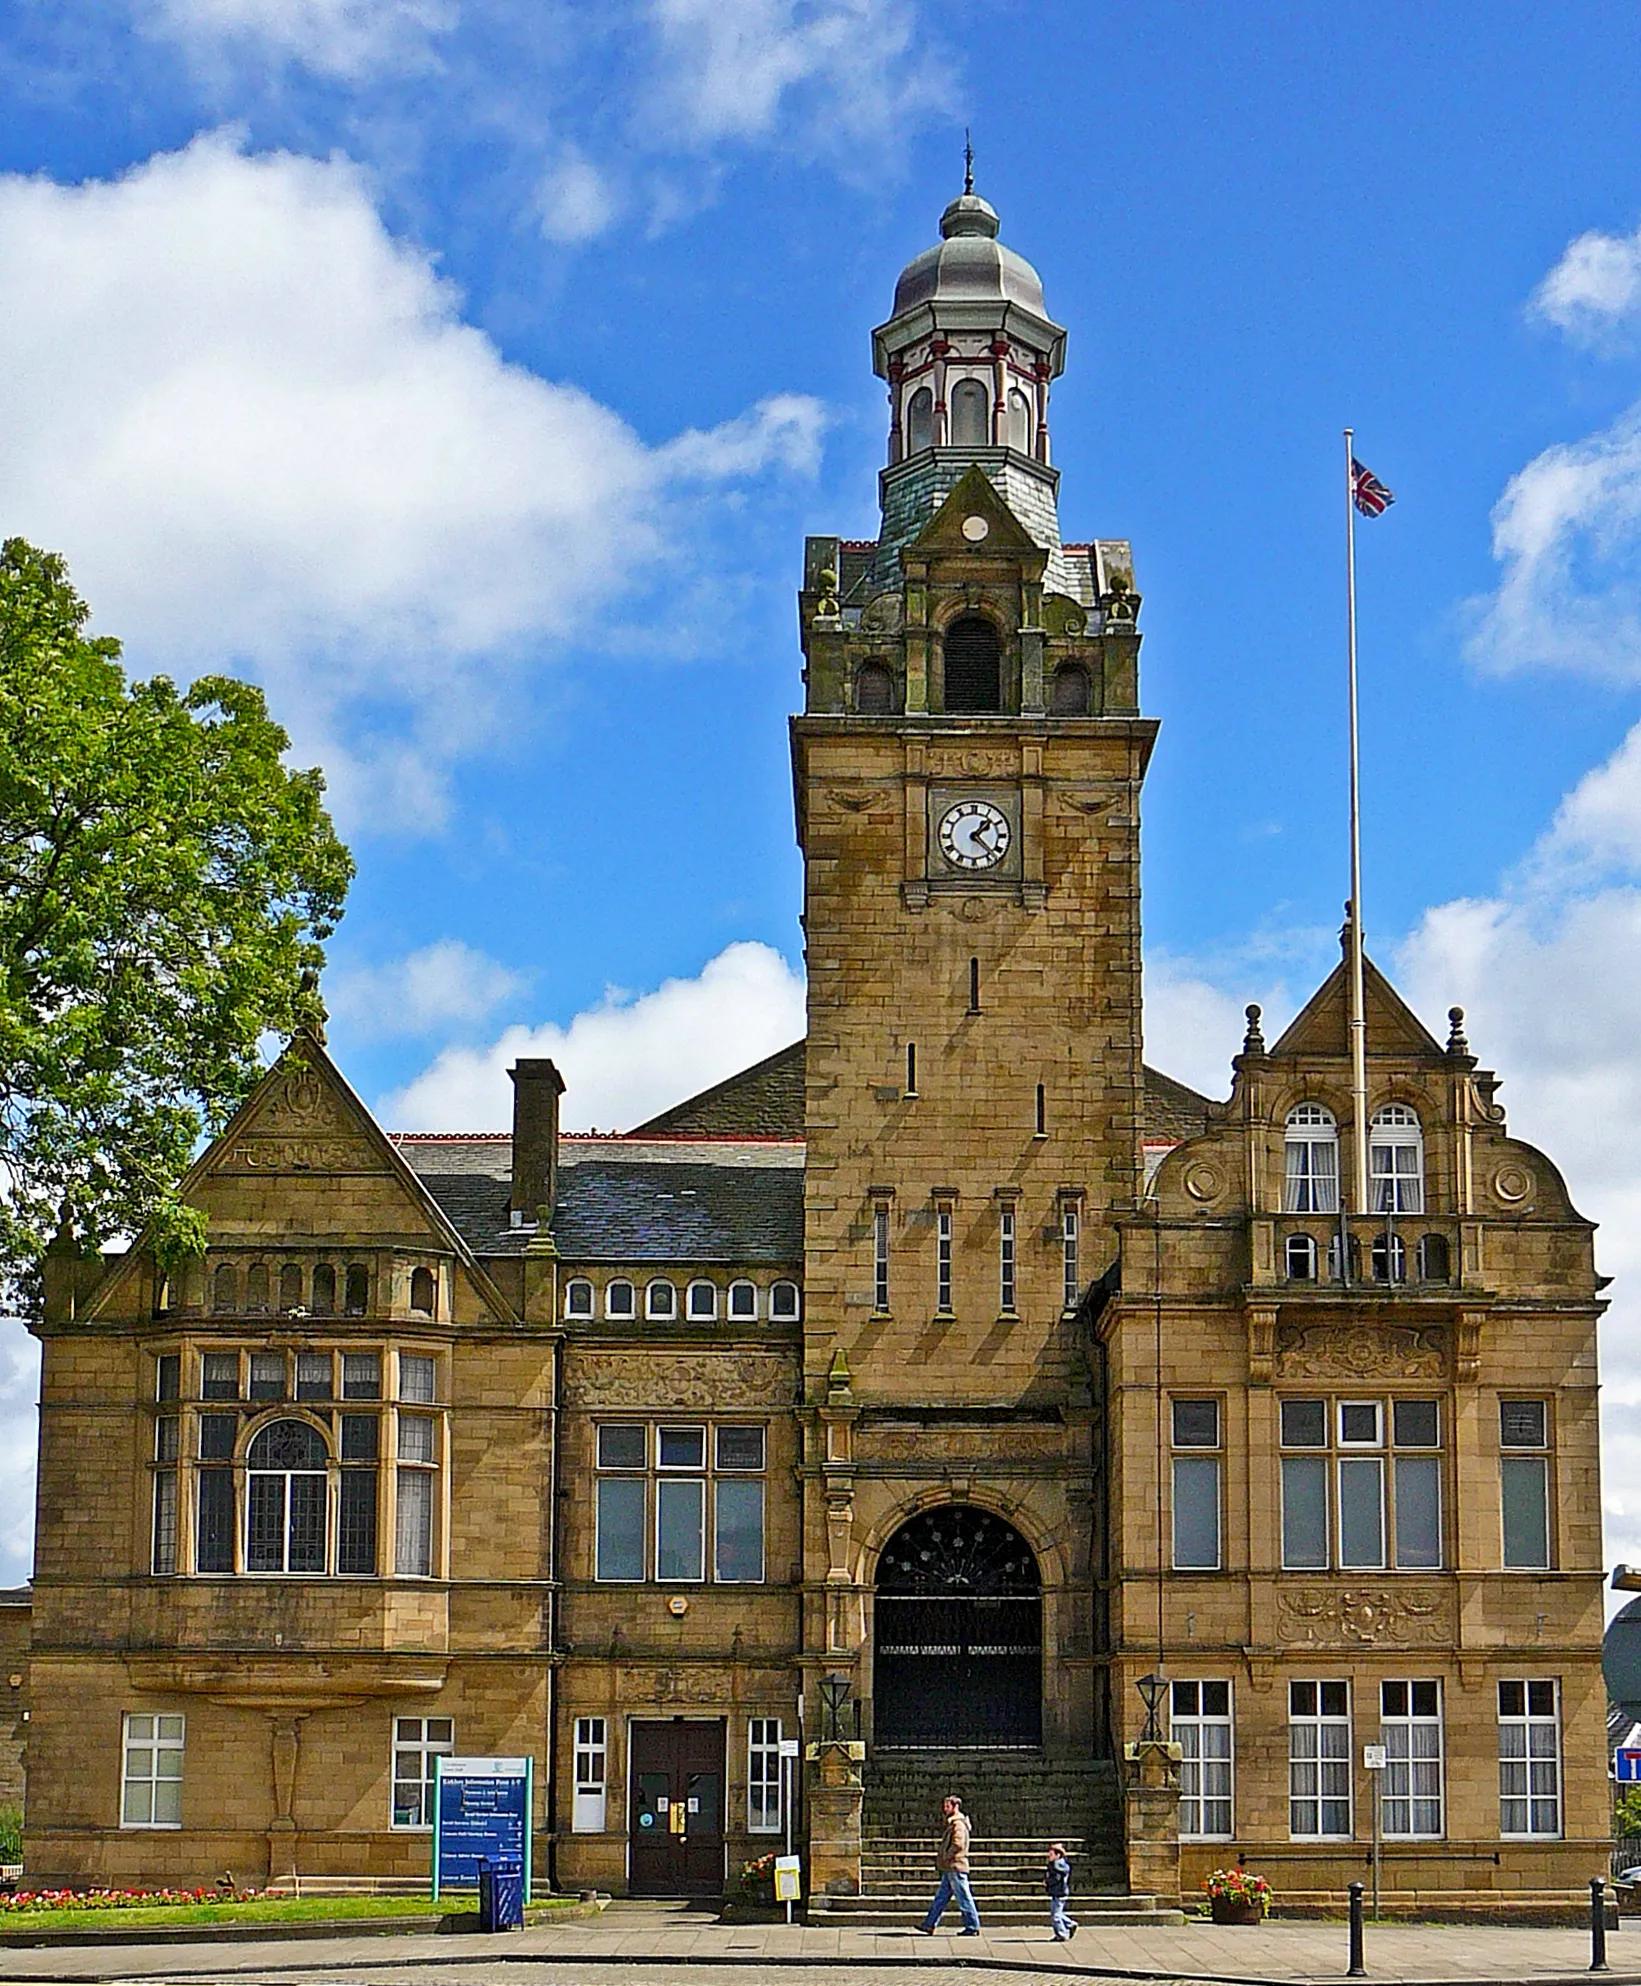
[469, 372]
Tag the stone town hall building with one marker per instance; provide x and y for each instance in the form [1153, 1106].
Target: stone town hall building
[951, 1355]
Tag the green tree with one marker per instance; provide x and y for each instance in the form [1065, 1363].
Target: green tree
[165, 887]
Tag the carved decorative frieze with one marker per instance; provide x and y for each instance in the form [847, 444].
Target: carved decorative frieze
[1361, 1351]
[974, 762]
[1364, 1617]
[978, 1444]
[670, 1382]
[301, 1155]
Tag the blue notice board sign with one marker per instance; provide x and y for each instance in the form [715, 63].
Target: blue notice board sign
[481, 1807]
[1627, 1763]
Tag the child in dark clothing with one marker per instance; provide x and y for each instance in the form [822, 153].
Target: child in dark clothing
[1057, 1881]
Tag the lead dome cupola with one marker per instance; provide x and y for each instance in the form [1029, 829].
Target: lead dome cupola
[969, 264]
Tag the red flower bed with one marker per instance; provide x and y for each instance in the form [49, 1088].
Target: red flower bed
[116, 1899]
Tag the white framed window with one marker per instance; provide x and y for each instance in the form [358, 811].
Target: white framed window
[701, 1302]
[592, 1772]
[620, 1299]
[1196, 1484]
[661, 1300]
[578, 1298]
[1005, 1260]
[1200, 1720]
[1319, 1761]
[287, 1499]
[1310, 1150]
[1529, 1758]
[1524, 1483]
[1410, 1786]
[880, 1258]
[1300, 1258]
[417, 1742]
[784, 1302]
[763, 1775]
[417, 1479]
[1070, 1235]
[743, 1300]
[1340, 1507]
[1396, 1160]
[943, 1260]
[151, 1770]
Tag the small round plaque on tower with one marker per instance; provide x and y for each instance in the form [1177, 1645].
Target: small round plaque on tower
[976, 528]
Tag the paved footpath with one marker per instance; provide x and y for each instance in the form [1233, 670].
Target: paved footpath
[634, 1944]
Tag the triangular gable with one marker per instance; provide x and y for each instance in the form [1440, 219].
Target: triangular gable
[975, 495]
[1322, 1025]
[305, 1121]
[765, 1101]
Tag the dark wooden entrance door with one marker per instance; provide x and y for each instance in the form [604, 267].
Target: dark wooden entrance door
[958, 1657]
[675, 1824]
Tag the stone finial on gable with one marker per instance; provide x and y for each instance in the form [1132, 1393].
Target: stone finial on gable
[1457, 1044]
[1253, 1042]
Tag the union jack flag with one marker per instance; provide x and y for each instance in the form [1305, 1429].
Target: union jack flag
[1372, 498]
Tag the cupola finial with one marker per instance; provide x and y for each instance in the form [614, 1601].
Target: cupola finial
[968, 162]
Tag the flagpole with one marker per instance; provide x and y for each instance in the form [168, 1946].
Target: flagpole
[1358, 1003]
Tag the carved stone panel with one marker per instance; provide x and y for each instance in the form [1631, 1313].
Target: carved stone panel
[676, 1382]
[1361, 1351]
[1364, 1617]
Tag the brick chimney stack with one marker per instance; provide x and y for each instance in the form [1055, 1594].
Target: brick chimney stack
[537, 1087]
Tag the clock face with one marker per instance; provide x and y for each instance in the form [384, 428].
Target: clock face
[974, 835]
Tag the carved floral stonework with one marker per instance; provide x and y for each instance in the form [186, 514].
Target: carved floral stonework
[1344, 1351]
[913, 1444]
[301, 1155]
[1364, 1617]
[669, 1382]
[974, 764]
[672, 1685]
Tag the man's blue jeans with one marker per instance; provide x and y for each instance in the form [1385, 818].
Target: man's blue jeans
[953, 1883]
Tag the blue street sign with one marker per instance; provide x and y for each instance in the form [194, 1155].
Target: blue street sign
[1627, 1763]
[481, 1807]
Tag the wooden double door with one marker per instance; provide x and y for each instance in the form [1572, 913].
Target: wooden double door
[675, 1812]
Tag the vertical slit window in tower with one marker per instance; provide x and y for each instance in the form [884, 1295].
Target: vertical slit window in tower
[880, 1258]
[974, 665]
[943, 1260]
[974, 986]
[1005, 1252]
[1042, 1110]
[1069, 1224]
[911, 1068]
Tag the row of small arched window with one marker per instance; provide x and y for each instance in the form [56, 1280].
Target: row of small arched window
[969, 417]
[974, 677]
[317, 1295]
[1311, 1161]
[701, 1300]
[1387, 1259]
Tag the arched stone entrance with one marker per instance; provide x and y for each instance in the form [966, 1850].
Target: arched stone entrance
[958, 1637]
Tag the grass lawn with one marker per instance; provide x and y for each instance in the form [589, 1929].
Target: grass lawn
[273, 1910]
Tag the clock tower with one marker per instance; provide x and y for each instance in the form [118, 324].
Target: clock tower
[967, 772]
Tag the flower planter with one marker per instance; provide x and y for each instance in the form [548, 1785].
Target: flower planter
[1232, 1910]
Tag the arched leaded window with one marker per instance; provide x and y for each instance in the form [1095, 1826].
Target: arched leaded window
[971, 414]
[1070, 694]
[920, 421]
[974, 665]
[1396, 1160]
[1310, 1151]
[286, 1499]
[661, 1299]
[224, 1288]
[1019, 421]
[874, 690]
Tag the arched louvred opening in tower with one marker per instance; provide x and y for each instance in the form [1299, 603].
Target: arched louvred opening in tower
[920, 421]
[874, 690]
[974, 665]
[1070, 694]
[958, 1658]
[971, 414]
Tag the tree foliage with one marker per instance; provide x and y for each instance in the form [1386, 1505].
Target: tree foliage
[166, 884]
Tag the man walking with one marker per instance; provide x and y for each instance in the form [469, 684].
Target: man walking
[953, 1863]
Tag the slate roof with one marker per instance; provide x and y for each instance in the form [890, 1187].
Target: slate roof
[717, 1178]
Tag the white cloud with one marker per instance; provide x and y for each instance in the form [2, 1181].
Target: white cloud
[1594, 288]
[576, 200]
[826, 76]
[291, 455]
[345, 38]
[19, 1391]
[626, 1058]
[1192, 1027]
[443, 984]
[1567, 532]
